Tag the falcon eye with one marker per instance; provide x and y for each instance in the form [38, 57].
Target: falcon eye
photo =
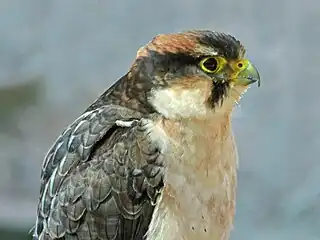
[210, 64]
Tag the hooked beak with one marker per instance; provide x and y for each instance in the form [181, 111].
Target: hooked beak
[248, 75]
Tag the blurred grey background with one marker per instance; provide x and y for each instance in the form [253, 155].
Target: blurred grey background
[57, 56]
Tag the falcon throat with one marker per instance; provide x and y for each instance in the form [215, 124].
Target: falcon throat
[154, 156]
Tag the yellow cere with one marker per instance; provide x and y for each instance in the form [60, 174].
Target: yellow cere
[238, 66]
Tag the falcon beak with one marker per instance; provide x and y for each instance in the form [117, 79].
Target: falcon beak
[247, 75]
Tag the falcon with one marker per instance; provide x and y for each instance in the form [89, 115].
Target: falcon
[154, 156]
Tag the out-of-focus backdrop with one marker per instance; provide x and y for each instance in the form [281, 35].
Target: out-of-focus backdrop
[57, 56]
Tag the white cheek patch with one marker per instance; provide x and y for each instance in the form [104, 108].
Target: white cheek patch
[179, 103]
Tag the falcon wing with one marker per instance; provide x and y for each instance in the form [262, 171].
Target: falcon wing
[100, 180]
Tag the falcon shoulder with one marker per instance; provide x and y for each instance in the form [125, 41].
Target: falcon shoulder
[101, 178]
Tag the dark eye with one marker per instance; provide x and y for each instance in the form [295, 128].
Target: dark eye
[210, 64]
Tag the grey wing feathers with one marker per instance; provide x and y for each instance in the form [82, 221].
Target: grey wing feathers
[100, 180]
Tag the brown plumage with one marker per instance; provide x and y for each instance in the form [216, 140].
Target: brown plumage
[154, 156]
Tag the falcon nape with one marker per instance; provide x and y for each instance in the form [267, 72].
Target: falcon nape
[154, 156]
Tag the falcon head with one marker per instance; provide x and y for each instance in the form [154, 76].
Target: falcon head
[193, 73]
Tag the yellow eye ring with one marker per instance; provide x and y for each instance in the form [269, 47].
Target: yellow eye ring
[211, 64]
